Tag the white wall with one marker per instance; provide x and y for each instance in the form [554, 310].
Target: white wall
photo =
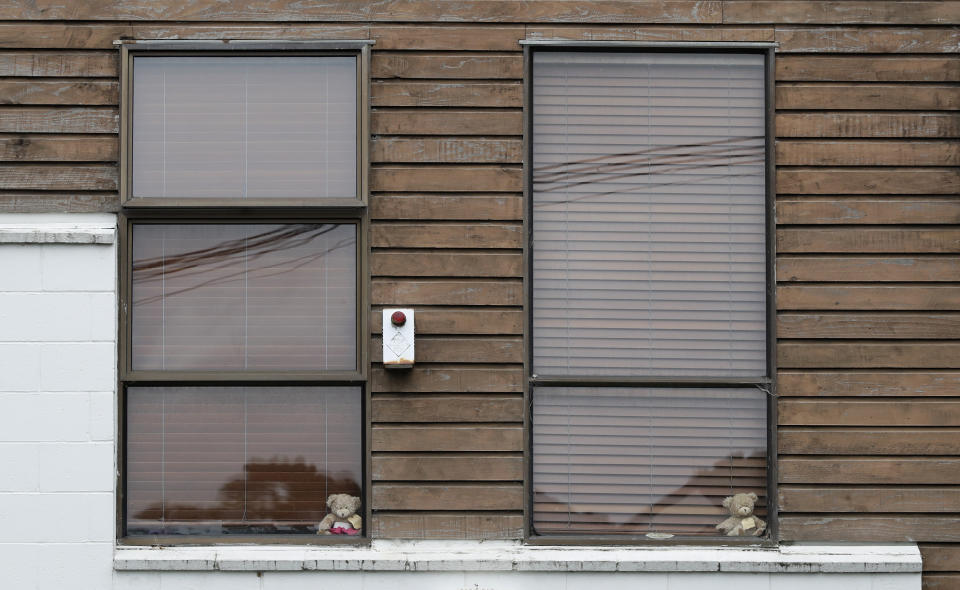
[57, 458]
[57, 383]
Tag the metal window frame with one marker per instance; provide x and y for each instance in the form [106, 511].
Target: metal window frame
[244, 211]
[768, 383]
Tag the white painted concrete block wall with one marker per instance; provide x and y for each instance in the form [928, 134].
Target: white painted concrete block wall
[57, 448]
[57, 423]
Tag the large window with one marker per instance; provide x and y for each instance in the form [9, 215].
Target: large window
[650, 368]
[242, 358]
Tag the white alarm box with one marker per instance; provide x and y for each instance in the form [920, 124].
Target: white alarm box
[398, 335]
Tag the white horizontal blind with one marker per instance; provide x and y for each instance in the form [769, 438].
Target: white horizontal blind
[648, 214]
[245, 127]
[632, 461]
[249, 297]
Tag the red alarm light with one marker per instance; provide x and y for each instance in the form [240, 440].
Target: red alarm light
[398, 318]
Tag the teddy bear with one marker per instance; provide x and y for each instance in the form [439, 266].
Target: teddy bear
[343, 518]
[742, 522]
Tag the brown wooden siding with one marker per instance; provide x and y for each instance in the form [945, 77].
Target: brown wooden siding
[868, 231]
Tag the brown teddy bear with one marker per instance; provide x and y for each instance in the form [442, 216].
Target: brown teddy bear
[742, 522]
[343, 518]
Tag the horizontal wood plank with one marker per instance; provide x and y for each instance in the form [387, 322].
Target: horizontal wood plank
[438, 292]
[421, 496]
[891, 97]
[868, 441]
[855, 68]
[52, 148]
[460, 350]
[868, 268]
[447, 467]
[58, 120]
[54, 202]
[862, 412]
[61, 64]
[460, 321]
[866, 125]
[409, 407]
[23, 35]
[868, 210]
[447, 438]
[446, 526]
[940, 581]
[869, 325]
[69, 91]
[445, 122]
[868, 153]
[869, 240]
[662, 11]
[846, 12]
[869, 500]
[440, 264]
[446, 179]
[457, 150]
[871, 529]
[868, 181]
[869, 383]
[80, 177]
[462, 94]
[940, 558]
[870, 470]
[421, 379]
[458, 66]
[867, 355]
[867, 40]
[446, 38]
[866, 298]
[446, 207]
[446, 235]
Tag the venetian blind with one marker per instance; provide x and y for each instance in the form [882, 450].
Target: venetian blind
[245, 127]
[244, 297]
[648, 214]
[634, 461]
[648, 261]
[235, 460]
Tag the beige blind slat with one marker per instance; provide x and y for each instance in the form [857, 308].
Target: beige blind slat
[664, 465]
[222, 460]
[245, 127]
[649, 207]
[244, 296]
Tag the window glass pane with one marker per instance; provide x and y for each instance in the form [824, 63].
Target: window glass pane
[239, 460]
[634, 461]
[245, 127]
[648, 214]
[244, 297]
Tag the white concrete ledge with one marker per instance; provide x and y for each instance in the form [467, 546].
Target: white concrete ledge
[80, 228]
[493, 556]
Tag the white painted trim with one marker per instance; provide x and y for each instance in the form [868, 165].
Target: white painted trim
[75, 228]
[492, 556]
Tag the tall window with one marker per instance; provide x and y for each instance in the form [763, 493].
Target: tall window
[242, 365]
[650, 369]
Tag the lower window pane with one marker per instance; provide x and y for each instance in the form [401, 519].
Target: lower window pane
[634, 461]
[239, 460]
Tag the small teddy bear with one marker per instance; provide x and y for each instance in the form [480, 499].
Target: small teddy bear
[742, 522]
[343, 518]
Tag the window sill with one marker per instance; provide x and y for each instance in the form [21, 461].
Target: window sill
[491, 556]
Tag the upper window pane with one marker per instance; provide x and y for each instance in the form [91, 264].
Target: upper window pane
[245, 127]
[244, 297]
[649, 214]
